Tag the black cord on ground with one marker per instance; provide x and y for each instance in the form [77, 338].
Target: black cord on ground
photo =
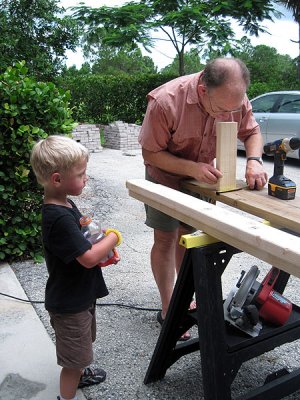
[24, 300]
[97, 304]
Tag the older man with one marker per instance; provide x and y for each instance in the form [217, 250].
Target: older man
[178, 140]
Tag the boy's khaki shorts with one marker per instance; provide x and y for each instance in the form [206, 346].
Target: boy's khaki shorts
[74, 335]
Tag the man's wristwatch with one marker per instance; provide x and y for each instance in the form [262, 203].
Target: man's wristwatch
[258, 159]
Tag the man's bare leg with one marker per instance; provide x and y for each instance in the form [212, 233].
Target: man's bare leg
[163, 263]
[166, 260]
[180, 250]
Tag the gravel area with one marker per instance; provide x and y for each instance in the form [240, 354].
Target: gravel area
[127, 336]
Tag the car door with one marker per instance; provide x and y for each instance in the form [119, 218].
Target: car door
[263, 108]
[285, 122]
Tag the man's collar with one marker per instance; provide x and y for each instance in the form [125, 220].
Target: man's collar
[192, 95]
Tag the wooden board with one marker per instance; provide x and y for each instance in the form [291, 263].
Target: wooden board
[226, 154]
[280, 213]
[269, 244]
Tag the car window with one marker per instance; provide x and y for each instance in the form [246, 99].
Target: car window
[290, 104]
[265, 103]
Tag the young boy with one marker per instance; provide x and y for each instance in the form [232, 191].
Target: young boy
[75, 281]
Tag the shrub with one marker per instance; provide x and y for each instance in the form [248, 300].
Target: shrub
[108, 98]
[29, 110]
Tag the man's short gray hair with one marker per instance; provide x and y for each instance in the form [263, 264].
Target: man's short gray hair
[219, 72]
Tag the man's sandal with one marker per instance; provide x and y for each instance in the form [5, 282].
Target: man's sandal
[193, 305]
[183, 338]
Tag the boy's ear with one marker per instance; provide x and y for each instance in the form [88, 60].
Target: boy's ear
[55, 178]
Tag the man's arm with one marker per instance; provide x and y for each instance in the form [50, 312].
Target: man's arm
[168, 162]
[255, 175]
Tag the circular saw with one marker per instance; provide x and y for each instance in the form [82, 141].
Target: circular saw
[250, 301]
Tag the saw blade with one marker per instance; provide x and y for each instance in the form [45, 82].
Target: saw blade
[245, 287]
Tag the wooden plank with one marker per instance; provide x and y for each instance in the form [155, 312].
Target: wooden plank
[269, 244]
[226, 154]
[281, 213]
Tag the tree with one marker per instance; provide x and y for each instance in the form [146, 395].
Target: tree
[269, 70]
[196, 23]
[294, 6]
[35, 31]
[73, 72]
[192, 64]
[112, 61]
[265, 59]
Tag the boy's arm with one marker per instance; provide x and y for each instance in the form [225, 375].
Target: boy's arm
[98, 251]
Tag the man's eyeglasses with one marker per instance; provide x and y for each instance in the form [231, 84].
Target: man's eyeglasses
[218, 110]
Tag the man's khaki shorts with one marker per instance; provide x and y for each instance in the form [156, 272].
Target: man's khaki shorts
[158, 220]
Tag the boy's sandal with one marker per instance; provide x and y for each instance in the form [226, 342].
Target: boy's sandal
[92, 376]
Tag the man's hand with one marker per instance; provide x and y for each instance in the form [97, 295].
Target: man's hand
[206, 173]
[256, 176]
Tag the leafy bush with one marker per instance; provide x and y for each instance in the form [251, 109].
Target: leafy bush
[29, 110]
[108, 98]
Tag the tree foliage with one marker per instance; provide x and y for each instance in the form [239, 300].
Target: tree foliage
[182, 22]
[29, 110]
[192, 64]
[35, 31]
[269, 70]
[99, 98]
[111, 61]
[294, 6]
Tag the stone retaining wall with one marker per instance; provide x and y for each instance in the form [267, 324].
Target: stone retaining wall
[121, 136]
[89, 136]
[117, 135]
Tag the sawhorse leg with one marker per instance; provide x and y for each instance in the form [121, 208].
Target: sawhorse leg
[175, 324]
[222, 352]
[200, 273]
[208, 269]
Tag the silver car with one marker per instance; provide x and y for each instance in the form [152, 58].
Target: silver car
[278, 115]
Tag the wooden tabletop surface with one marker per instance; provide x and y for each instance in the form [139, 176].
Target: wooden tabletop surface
[284, 214]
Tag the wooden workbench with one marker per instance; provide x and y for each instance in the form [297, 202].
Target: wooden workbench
[224, 349]
[280, 213]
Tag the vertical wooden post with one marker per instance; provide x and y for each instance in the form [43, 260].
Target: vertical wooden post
[226, 153]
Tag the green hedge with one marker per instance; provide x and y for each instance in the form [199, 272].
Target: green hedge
[106, 98]
[29, 110]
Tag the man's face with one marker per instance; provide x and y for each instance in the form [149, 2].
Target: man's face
[222, 102]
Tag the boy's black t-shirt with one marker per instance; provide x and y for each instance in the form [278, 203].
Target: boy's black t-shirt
[70, 288]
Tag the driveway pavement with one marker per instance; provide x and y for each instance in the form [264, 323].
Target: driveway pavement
[126, 319]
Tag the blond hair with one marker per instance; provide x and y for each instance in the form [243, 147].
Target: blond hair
[55, 154]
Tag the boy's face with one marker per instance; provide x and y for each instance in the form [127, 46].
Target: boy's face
[74, 180]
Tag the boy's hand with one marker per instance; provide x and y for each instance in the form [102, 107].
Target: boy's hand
[116, 232]
[112, 258]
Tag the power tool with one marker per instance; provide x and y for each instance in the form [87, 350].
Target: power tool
[250, 301]
[279, 186]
